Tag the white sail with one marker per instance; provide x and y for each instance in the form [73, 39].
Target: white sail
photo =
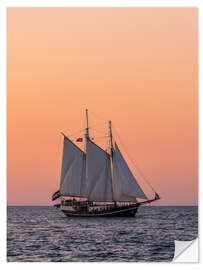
[73, 170]
[98, 173]
[125, 186]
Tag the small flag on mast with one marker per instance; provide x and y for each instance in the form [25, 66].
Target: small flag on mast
[79, 140]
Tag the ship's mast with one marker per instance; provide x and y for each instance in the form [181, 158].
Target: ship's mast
[86, 141]
[111, 140]
[87, 128]
[111, 146]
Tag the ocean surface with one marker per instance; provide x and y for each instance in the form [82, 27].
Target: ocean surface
[43, 234]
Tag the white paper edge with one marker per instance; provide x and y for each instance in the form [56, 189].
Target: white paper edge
[186, 251]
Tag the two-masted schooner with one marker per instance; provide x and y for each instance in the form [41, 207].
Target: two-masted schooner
[97, 183]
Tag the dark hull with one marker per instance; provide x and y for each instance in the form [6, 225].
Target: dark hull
[126, 211]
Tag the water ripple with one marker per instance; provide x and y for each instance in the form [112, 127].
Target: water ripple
[45, 234]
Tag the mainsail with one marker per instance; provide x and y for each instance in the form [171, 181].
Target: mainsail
[73, 170]
[98, 173]
[125, 186]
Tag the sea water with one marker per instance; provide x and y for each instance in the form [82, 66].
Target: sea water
[43, 233]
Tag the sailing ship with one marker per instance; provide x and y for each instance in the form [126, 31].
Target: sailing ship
[97, 182]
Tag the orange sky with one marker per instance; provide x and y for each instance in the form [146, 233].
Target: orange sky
[135, 66]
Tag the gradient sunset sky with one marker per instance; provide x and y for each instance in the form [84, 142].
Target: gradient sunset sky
[135, 66]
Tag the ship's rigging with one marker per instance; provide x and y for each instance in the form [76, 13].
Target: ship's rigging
[98, 175]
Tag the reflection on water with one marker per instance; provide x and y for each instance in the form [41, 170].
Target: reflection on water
[45, 234]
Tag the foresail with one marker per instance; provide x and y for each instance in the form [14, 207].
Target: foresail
[73, 170]
[98, 173]
[125, 186]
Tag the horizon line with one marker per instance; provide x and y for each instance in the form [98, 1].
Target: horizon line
[142, 205]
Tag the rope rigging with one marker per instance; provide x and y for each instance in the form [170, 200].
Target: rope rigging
[107, 144]
[133, 162]
[130, 158]
[99, 173]
[76, 133]
[98, 117]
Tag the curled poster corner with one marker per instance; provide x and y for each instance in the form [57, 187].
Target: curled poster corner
[186, 251]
